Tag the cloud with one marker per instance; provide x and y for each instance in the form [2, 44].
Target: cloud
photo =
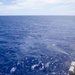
[57, 1]
[52, 1]
[20, 5]
[36, 6]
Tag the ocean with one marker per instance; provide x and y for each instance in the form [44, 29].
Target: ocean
[36, 45]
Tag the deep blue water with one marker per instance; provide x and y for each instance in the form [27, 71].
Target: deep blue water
[36, 45]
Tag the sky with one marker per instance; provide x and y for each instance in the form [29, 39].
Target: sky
[37, 7]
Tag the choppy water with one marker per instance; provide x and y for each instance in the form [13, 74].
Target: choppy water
[36, 45]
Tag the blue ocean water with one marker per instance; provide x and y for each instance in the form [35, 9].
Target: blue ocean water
[36, 45]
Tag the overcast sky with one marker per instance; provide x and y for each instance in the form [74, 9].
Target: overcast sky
[37, 7]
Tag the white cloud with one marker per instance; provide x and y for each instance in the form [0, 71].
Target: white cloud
[52, 1]
[57, 1]
[22, 6]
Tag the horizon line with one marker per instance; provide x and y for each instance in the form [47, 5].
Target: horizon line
[36, 15]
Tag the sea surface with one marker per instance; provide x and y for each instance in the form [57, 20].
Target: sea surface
[36, 45]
